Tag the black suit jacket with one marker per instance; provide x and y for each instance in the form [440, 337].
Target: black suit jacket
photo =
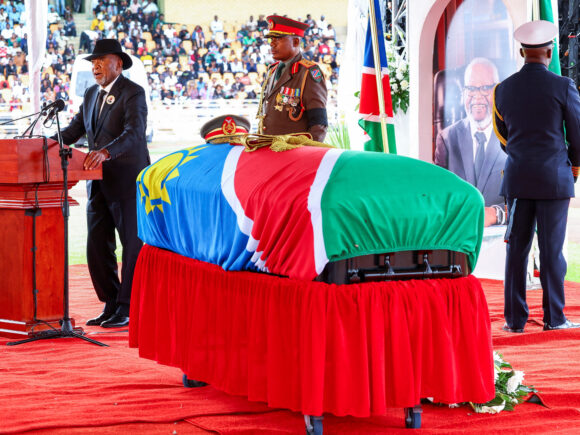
[454, 151]
[121, 130]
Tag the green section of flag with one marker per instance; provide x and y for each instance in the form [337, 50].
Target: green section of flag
[546, 13]
[373, 129]
[415, 205]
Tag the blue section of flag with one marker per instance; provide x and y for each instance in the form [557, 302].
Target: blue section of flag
[369, 60]
[197, 221]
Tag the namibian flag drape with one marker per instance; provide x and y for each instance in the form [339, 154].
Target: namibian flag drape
[369, 97]
[290, 213]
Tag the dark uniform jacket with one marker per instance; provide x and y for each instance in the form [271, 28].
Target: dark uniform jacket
[121, 129]
[530, 109]
[295, 103]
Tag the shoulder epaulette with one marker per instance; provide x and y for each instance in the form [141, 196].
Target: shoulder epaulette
[307, 63]
[304, 62]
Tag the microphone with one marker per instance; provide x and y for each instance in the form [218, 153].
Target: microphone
[54, 107]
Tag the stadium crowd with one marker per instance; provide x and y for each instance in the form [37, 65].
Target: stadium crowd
[183, 62]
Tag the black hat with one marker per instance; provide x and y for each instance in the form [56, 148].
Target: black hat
[224, 128]
[110, 46]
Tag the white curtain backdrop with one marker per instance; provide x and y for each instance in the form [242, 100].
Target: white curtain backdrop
[36, 23]
[350, 70]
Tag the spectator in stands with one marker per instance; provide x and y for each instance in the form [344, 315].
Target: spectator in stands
[238, 86]
[204, 56]
[237, 66]
[134, 8]
[227, 42]
[3, 17]
[213, 67]
[218, 93]
[216, 27]
[184, 75]
[7, 32]
[70, 28]
[9, 69]
[329, 32]
[198, 37]
[183, 33]
[97, 24]
[262, 24]
[13, 15]
[199, 67]
[251, 66]
[24, 43]
[251, 25]
[59, 6]
[15, 103]
[149, 6]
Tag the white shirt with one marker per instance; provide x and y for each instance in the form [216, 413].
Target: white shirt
[107, 89]
[473, 127]
[216, 26]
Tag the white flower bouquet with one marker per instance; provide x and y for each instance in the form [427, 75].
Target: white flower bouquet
[509, 388]
[398, 77]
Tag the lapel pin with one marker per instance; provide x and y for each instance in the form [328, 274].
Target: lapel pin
[110, 99]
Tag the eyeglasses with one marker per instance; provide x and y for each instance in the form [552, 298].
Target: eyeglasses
[484, 90]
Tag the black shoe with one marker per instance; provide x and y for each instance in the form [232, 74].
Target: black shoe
[566, 325]
[115, 321]
[99, 319]
[506, 328]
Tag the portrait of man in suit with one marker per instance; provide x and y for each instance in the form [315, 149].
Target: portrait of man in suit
[469, 148]
[113, 116]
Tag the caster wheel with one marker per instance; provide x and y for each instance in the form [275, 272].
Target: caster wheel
[192, 383]
[313, 425]
[413, 417]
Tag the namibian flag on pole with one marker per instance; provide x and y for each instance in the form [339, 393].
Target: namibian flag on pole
[376, 105]
[546, 12]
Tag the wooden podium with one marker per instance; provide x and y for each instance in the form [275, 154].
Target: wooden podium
[32, 232]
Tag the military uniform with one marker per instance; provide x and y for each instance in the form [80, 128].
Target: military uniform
[530, 107]
[296, 101]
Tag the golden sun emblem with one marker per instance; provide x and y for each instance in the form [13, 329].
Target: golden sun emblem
[229, 126]
[152, 180]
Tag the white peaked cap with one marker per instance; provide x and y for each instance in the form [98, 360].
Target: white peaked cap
[536, 33]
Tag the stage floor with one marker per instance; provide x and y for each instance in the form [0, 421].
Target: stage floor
[57, 385]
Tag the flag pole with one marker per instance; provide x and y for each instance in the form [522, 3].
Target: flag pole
[379, 76]
[535, 10]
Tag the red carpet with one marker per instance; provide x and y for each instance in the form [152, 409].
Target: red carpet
[53, 386]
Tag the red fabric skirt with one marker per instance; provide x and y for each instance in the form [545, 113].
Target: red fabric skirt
[314, 347]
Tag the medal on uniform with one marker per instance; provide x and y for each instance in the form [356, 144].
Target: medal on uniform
[278, 105]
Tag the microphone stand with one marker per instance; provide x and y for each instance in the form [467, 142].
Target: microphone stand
[67, 329]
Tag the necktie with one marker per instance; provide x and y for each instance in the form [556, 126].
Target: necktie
[479, 154]
[97, 110]
[279, 70]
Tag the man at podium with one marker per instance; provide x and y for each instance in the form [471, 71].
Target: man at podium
[113, 116]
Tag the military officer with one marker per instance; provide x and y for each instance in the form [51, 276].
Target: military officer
[293, 96]
[530, 108]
